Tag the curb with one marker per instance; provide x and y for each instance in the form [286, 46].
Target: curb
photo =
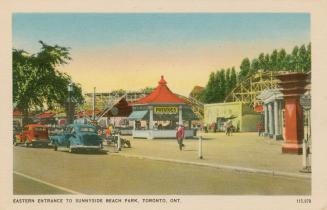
[218, 166]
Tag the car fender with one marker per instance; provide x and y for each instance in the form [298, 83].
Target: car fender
[74, 140]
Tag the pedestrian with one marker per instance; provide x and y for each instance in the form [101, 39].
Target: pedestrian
[180, 134]
[260, 128]
[226, 128]
[206, 128]
[108, 133]
[229, 127]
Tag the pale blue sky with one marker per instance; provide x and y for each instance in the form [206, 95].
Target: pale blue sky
[99, 30]
[152, 44]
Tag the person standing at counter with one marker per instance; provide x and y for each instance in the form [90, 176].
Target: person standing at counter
[180, 133]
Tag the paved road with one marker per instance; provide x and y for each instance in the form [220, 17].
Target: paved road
[36, 168]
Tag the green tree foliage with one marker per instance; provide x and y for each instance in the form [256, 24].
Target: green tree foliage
[118, 92]
[37, 81]
[244, 69]
[262, 61]
[197, 93]
[281, 58]
[228, 81]
[273, 61]
[221, 85]
[209, 92]
[267, 63]
[233, 79]
[302, 58]
[307, 66]
[147, 90]
[295, 59]
[255, 66]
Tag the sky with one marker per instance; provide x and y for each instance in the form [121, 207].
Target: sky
[131, 51]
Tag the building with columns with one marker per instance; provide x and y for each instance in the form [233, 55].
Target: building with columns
[162, 111]
[273, 112]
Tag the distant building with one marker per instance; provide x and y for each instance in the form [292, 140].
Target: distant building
[243, 117]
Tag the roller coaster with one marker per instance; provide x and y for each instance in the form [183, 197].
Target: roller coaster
[247, 90]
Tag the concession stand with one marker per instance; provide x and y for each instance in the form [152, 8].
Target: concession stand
[158, 114]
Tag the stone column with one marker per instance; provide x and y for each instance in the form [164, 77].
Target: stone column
[266, 120]
[277, 120]
[271, 120]
[293, 86]
[180, 115]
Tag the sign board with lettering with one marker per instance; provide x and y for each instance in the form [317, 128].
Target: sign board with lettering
[166, 110]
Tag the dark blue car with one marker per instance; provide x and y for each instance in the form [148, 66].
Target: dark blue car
[78, 137]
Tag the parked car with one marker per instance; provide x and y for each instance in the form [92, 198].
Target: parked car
[34, 135]
[78, 137]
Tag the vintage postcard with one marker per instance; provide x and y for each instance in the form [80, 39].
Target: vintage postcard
[126, 105]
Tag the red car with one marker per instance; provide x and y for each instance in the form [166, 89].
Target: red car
[33, 134]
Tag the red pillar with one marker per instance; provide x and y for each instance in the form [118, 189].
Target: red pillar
[293, 86]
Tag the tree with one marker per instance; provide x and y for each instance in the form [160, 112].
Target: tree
[209, 92]
[267, 63]
[295, 59]
[255, 66]
[281, 56]
[228, 81]
[288, 63]
[302, 55]
[307, 66]
[262, 63]
[147, 90]
[222, 85]
[197, 92]
[233, 78]
[36, 80]
[273, 61]
[244, 69]
[119, 92]
[216, 88]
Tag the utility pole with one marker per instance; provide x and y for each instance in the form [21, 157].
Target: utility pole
[200, 147]
[70, 116]
[93, 116]
[305, 102]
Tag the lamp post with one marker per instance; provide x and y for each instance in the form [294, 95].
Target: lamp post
[69, 114]
[305, 102]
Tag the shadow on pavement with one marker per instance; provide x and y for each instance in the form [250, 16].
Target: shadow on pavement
[102, 152]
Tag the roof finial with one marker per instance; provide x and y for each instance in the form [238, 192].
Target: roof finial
[162, 81]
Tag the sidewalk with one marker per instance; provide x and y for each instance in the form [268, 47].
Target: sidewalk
[241, 152]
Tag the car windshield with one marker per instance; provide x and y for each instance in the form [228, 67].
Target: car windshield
[40, 129]
[87, 129]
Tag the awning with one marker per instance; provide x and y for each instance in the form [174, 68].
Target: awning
[137, 115]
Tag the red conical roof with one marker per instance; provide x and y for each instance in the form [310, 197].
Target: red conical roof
[162, 94]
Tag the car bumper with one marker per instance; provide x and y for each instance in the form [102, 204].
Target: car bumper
[86, 147]
[40, 141]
